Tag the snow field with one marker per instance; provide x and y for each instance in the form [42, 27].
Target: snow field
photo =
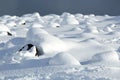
[73, 47]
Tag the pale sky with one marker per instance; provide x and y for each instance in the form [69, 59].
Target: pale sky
[44, 7]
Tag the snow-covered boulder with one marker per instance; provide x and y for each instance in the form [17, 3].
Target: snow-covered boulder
[4, 30]
[20, 22]
[44, 41]
[24, 54]
[63, 59]
[54, 25]
[11, 23]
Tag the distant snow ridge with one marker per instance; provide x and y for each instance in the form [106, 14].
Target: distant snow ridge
[44, 41]
[63, 59]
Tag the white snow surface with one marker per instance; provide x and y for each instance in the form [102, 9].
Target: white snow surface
[74, 47]
[63, 59]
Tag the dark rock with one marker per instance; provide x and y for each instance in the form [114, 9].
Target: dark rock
[29, 46]
[9, 33]
[57, 26]
[23, 23]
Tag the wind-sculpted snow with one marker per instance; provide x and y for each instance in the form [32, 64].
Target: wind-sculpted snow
[59, 47]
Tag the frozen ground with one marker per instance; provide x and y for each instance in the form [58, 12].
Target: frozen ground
[59, 47]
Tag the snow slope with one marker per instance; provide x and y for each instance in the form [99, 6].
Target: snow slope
[60, 47]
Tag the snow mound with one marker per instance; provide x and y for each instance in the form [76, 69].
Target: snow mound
[69, 19]
[43, 40]
[37, 25]
[91, 29]
[3, 29]
[110, 56]
[37, 17]
[63, 59]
